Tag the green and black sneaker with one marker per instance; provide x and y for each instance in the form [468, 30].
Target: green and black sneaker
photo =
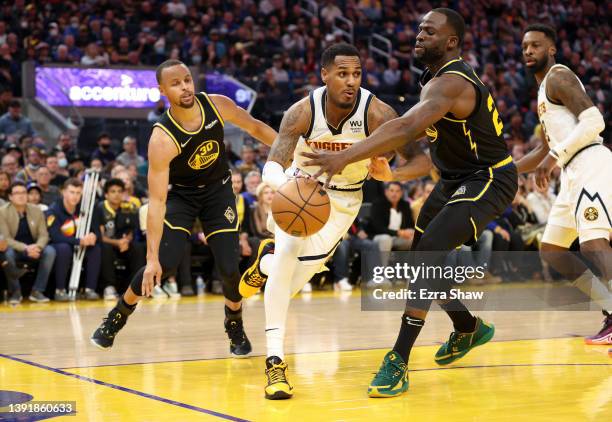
[459, 344]
[391, 379]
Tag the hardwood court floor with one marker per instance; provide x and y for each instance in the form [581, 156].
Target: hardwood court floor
[171, 363]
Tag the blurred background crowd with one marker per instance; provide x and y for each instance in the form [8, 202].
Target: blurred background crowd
[272, 46]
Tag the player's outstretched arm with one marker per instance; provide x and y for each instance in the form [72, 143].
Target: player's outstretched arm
[161, 151]
[293, 125]
[238, 116]
[530, 161]
[437, 98]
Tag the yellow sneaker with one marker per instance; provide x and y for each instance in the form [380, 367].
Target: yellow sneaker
[278, 387]
[253, 279]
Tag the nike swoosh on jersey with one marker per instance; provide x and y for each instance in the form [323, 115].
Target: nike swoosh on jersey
[186, 142]
[211, 124]
[226, 179]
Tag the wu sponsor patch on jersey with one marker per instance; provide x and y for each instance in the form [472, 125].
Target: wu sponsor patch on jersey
[204, 155]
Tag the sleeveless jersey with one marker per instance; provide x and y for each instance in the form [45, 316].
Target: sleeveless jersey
[556, 119]
[322, 135]
[202, 158]
[460, 147]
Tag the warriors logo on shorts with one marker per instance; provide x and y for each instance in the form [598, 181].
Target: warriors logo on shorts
[591, 213]
[230, 215]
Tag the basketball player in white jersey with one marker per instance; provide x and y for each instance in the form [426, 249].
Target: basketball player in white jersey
[333, 117]
[571, 125]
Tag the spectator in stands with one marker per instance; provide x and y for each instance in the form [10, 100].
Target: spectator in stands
[392, 75]
[130, 194]
[103, 152]
[393, 226]
[10, 165]
[5, 184]
[62, 216]
[329, 12]
[260, 211]
[66, 145]
[35, 196]
[541, 201]
[28, 173]
[155, 114]
[248, 162]
[50, 193]
[6, 96]
[130, 156]
[94, 56]
[15, 123]
[23, 226]
[417, 204]
[251, 181]
[58, 174]
[118, 228]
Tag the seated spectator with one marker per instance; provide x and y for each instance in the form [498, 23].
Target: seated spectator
[248, 242]
[118, 226]
[10, 165]
[392, 76]
[13, 123]
[49, 192]
[35, 196]
[62, 217]
[251, 181]
[393, 226]
[5, 184]
[103, 152]
[417, 204]
[356, 240]
[130, 194]
[248, 161]
[28, 173]
[23, 227]
[261, 210]
[541, 201]
[155, 114]
[59, 174]
[130, 156]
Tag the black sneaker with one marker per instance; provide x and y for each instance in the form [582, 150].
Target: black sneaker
[16, 298]
[36, 296]
[104, 336]
[240, 346]
[187, 291]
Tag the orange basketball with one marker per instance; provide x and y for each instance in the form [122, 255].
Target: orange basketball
[301, 207]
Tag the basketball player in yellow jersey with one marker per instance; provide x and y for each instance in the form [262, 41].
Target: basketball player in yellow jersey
[333, 117]
[583, 207]
[187, 152]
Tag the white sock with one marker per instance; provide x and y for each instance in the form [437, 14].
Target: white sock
[589, 284]
[275, 337]
[265, 264]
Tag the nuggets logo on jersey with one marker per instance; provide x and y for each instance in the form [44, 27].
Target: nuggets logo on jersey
[204, 155]
[331, 145]
[591, 213]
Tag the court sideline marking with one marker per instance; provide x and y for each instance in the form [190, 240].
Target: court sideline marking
[125, 389]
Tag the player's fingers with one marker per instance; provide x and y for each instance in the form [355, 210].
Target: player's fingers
[158, 277]
[309, 154]
[318, 173]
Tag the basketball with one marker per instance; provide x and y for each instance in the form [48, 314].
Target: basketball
[301, 207]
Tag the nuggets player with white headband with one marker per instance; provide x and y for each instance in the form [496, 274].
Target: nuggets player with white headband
[332, 117]
[571, 125]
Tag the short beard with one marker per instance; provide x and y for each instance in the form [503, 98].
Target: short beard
[181, 104]
[431, 56]
[539, 65]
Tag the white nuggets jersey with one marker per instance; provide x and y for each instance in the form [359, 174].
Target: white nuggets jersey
[585, 199]
[557, 120]
[322, 135]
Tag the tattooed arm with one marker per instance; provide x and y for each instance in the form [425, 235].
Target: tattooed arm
[563, 86]
[294, 124]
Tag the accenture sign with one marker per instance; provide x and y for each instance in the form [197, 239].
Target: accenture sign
[120, 88]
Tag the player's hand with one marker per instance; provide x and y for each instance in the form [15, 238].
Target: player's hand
[380, 170]
[329, 162]
[151, 277]
[542, 172]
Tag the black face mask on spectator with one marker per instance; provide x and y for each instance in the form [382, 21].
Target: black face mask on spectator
[104, 146]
